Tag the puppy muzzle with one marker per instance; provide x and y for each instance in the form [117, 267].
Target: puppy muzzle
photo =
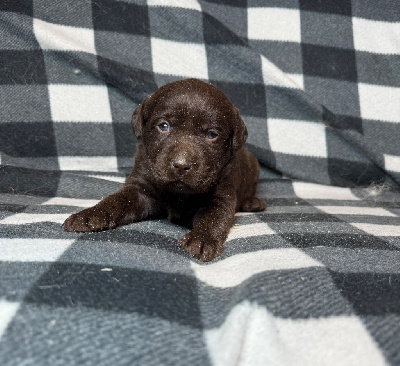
[182, 164]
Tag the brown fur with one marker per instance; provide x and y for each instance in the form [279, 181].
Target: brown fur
[195, 171]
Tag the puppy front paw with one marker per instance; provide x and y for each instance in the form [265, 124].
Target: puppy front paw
[90, 219]
[253, 204]
[201, 246]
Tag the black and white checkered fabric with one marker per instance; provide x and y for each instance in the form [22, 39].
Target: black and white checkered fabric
[313, 280]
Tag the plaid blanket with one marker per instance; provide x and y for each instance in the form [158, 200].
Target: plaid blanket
[315, 279]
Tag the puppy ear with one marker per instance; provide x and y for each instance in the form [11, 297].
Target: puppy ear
[138, 119]
[239, 132]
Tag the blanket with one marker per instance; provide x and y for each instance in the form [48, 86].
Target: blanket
[315, 279]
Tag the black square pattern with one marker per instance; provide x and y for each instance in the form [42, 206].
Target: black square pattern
[342, 122]
[120, 16]
[347, 173]
[217, 33]
[342, 7]
[17, 6]
[370, 293]
[329, 62]
[249, 98]
[32, 139]
[133, 82]
[233, 3]
[125, 139]
[23, 67]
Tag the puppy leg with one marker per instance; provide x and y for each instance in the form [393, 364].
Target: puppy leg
[252, 204]
[129, 204]
[211, 227]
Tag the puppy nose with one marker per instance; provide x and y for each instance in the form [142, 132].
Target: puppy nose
[181, 166]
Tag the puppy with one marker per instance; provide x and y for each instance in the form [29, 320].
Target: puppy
[190, 167]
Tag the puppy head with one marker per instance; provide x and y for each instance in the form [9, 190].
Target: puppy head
[190, 131]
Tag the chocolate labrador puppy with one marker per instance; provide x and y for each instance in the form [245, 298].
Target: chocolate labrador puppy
[190, 167]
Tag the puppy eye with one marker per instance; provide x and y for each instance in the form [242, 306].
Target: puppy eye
[211, 135]
[163, 127]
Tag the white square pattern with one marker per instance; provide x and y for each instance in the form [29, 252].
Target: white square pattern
[63, 38]
[337, 340]
[89, 163]
[75, 202]
[186, 4]
[298, 79]
[314, 191]
[251, 335]
[237, 269]
[378, 230]
[31, 218]
[297, 137]
[7, 310]
[379, 102]
[179, 59]
[392, 162]
[274, 24]
[33, 250]
[351, 210]
[376, 37]
[272, 75]
[79, 103]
